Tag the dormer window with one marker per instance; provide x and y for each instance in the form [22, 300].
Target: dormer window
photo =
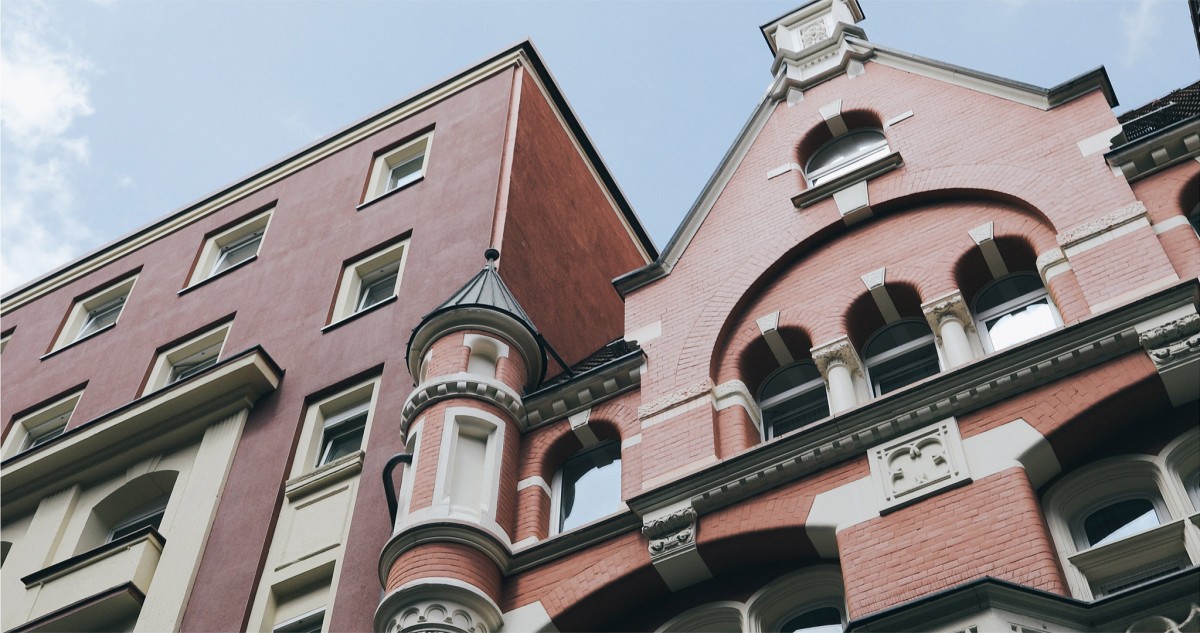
[845, 154]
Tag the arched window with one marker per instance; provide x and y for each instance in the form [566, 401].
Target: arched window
[791, 397]
[844, 154]
[1117, 520]
[900, 354]
[1013, 309]
[819, 620]
[588, 487]
[139, 503]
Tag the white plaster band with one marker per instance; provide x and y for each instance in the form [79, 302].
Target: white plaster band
[535, 480]
[896, 119]
[631, 442]
[1170, 223]
[645, 333]
[783, 169]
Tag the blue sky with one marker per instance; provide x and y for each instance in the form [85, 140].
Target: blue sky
[115, 113]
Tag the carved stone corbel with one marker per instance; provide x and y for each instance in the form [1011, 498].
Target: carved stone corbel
[672, 545]
[948, 306]
[673, 531]
[1174, 347]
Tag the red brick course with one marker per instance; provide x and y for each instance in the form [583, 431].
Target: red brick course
[446, 560]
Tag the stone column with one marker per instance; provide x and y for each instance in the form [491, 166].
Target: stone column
[950, 320]
[838, 363]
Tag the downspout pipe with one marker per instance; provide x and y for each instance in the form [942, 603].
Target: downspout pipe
[389, 488]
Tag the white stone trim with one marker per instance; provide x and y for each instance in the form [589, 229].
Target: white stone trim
[530, 618]
[783, 169]
[583, 431]
[493, 429]
[832, 114]
[984, 237]
[897, 119]
[816, 586]
[768, 325]
[1014, 444]
[1170, 223]
[438, 601]
[631, 442]
[672, 532]
[645, 333]
[1099, 142]
[534, 481]
[1051, 264]
[1092, 229]
[837, 509]
[735, 393]
[876, 284]
[853, 203]
[723, 615]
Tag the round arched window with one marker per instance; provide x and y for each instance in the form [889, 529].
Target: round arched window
[588, 487]
[1118, 520]
[845, 153]
[1014, 309]
[900, 354]
[791, 397]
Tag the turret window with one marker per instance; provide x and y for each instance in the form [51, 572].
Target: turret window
[845, 154]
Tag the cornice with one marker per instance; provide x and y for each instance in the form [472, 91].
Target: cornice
[461, 385]
[1158, 151]
[584, 391]
[950, 394]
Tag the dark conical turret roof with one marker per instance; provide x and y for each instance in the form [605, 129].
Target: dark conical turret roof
[487, 290]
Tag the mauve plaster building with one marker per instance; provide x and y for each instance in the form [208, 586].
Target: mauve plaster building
[923, 356]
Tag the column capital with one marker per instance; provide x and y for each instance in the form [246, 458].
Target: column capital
[837, 351]
[438, 605]
[948, 306]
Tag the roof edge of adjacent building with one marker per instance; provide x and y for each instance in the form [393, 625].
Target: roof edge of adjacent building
[523, 54]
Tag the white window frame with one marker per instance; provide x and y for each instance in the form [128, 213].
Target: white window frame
[4, 341]
[873, 362]
[339, 424]
[83, 312]
[829, 174]
[328, 411]
[357, 275]
[1029, 298]
[556, 489]
[384, 163]
[214, 248]
[799, 391]
[162, 373]
[158, 509]
[50, 420]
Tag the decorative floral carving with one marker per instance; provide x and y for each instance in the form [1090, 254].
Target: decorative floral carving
[813, 32]
[671, 532]
[1124, 215]
[1173, 342]
[949, 306]
[918, 464]
[839, 351]
[666, 402]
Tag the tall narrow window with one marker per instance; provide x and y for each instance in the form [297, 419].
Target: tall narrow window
[1014, 309]
[588, 487]
[399, 167]
[792, 397]
[370, 281]
[95, 314]
[343, 433]
[900, 354]
[845, 154]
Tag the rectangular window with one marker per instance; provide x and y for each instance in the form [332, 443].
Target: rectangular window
[187, 359]
[95, 313]
[343, 433]
[370, 281]
[42, 425]
[150, 518]
[399, 167]
[307, 623]
[231, 247]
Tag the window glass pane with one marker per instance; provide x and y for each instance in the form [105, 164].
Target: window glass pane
[377, 290]
[405, 172]
[842, 154]
[342, 437]
[194, 364]
[793, 397]
[904, 370]
[238, 251]
[129, 527]
[897, 334]
[310, 623]
[823, 620]
[101, 317]
[787, 378]
[590, 486]
[1021, 324]
[1007, 289]
[901, 354]
[47, 431]
[1119, 520]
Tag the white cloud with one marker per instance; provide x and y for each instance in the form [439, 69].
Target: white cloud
[125, 181]
[1140, 26]
[45, 90]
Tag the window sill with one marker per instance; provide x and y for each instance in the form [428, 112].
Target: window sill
[336, 324]
[326, 475]
[388, 194]
[77, 341]
[1104, 562]
[868, 171]
[217, 275]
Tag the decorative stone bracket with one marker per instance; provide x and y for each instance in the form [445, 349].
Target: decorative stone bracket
[672, 546]
[1175, 349]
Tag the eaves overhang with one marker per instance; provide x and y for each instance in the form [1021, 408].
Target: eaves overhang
[150, 424]
[850, 434]
[1160, 150]
[523, 54]
[1177, 590]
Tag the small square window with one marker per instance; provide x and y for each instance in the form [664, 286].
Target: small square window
[43, 425]
[231, 247]
[397, 168]
[343, 433]
[95, 313]
[180, 362]
[370, 281]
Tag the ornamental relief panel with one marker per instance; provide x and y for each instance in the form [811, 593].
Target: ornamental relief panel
[919, 464]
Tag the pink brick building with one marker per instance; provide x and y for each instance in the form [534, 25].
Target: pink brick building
[924, 356]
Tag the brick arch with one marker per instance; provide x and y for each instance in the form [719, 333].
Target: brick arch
[729, 322]
[862, 318]
[754, 360]
[971, 272]
[819, 134]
